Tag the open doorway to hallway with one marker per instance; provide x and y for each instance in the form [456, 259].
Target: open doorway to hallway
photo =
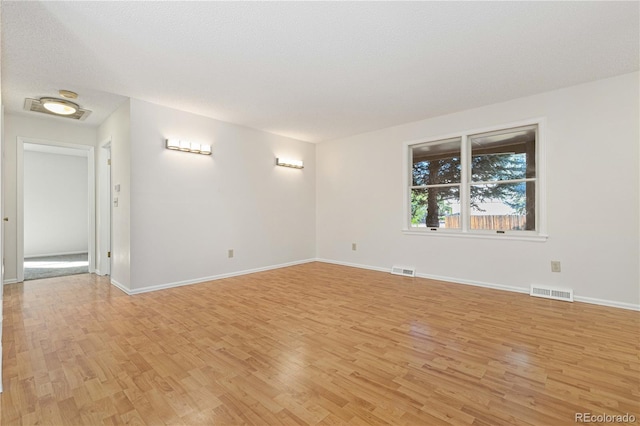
[56, 223]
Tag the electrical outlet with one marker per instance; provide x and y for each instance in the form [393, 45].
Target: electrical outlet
[230, 253]
[555, 266]
[354, 246]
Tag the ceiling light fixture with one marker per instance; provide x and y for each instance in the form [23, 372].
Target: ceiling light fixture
[59, 106]
[68, 94]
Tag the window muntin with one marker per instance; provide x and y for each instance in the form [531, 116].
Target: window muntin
[477, 183]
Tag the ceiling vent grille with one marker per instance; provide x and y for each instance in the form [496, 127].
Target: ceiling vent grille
[36, 106]
[407, 271]
[547, 292]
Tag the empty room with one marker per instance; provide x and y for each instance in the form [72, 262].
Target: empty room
[320, 213]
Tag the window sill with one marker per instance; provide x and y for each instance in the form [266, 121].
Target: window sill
[474, 235]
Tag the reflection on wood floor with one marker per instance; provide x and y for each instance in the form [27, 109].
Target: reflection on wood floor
[311, 344]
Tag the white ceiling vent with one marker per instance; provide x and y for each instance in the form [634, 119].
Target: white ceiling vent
[555, 293]
[407, 271]
[36, 106]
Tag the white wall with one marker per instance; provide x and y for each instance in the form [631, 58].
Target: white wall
[187, 210]
[592, 138]
[55, 204]
[47, 128]
[117, 128]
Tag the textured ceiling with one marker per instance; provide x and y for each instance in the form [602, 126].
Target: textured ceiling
[310, 70]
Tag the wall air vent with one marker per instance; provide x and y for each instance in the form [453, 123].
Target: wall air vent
[555, 293]
[36, 106]
[407, 271]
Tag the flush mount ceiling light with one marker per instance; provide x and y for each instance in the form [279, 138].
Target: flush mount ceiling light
[59, 106]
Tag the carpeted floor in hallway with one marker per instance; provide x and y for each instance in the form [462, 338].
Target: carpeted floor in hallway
[36, 268]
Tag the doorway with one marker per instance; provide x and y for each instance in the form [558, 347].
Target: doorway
[56, 208]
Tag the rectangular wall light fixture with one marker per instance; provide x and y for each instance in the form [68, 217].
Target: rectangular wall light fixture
[186, 146]
[287, 162]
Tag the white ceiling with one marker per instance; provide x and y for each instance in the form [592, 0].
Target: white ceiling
[310, 70]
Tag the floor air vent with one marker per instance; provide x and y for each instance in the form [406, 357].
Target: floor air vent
[565, 294]
[407, 271]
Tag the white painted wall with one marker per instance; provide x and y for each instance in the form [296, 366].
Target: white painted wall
[55, 204]
[187, 210]
[117, 128]
[179, 213]
[30, 126]
[592, 138]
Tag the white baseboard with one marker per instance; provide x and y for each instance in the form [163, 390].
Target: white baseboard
[454, 280]
[432, 277]
[55, 254]
[205, 279]
[610, 303]
[120, 286]
[474, 283]
[591, 300]
[353, 265]
[10, 281]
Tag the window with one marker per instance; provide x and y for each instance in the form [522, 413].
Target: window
[435, 190]
[477, 183]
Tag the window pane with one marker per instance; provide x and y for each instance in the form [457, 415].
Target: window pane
[436, 207]
[436, 162]
[503, 206]
[505, 155]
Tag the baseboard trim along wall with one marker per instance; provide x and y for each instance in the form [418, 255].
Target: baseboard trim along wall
[120, 286]
[590, 300]
[474, 283]
[609, 303]
[205, 279]
[354, 265]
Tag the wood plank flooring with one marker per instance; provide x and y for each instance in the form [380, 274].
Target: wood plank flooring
[311, 344]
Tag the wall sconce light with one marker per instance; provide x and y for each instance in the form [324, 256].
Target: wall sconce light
[186, 146]
[287, 162]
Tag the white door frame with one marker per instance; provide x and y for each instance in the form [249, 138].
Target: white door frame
[2, 251]
[91, 178]
[103, 261]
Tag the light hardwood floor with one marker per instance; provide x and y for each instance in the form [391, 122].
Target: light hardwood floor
[311, 344]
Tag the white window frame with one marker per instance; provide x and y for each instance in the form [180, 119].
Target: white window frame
[541, 206]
